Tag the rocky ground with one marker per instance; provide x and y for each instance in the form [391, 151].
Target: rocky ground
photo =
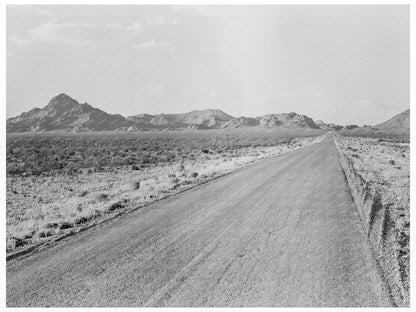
[378, 174]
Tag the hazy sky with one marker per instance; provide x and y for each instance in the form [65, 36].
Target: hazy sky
[342, 64]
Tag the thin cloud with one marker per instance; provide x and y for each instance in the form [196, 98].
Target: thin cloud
[139, 26]
[153, 44]
[52, 33]
[135, 27]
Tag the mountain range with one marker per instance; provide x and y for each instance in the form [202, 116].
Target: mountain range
[400, 122]
[63, 113]
[398, 125]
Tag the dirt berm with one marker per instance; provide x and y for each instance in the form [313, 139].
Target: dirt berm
[375, 214]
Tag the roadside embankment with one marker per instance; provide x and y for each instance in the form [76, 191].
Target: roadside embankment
[378, 177]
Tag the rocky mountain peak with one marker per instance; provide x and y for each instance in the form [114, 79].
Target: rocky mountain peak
[61, 101]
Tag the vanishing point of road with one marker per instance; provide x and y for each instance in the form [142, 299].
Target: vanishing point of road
[281, 232]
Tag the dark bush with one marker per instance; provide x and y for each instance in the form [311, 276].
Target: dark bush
[102, 197]
[134, 185]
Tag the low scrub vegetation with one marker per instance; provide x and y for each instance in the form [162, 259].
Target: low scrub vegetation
[382, 136]
[49, 154]
[59, 184]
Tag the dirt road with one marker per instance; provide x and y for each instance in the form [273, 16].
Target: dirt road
[282, 232]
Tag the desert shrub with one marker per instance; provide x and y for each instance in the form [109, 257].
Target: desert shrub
[102, 197]
[98, 165]
[65, 225]
[117, 205]
[147, 159]
[51, 225]
[134, 185]
[45, 233]
[16, 242]
[180, 167]
[82, 219]
[193, 175]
